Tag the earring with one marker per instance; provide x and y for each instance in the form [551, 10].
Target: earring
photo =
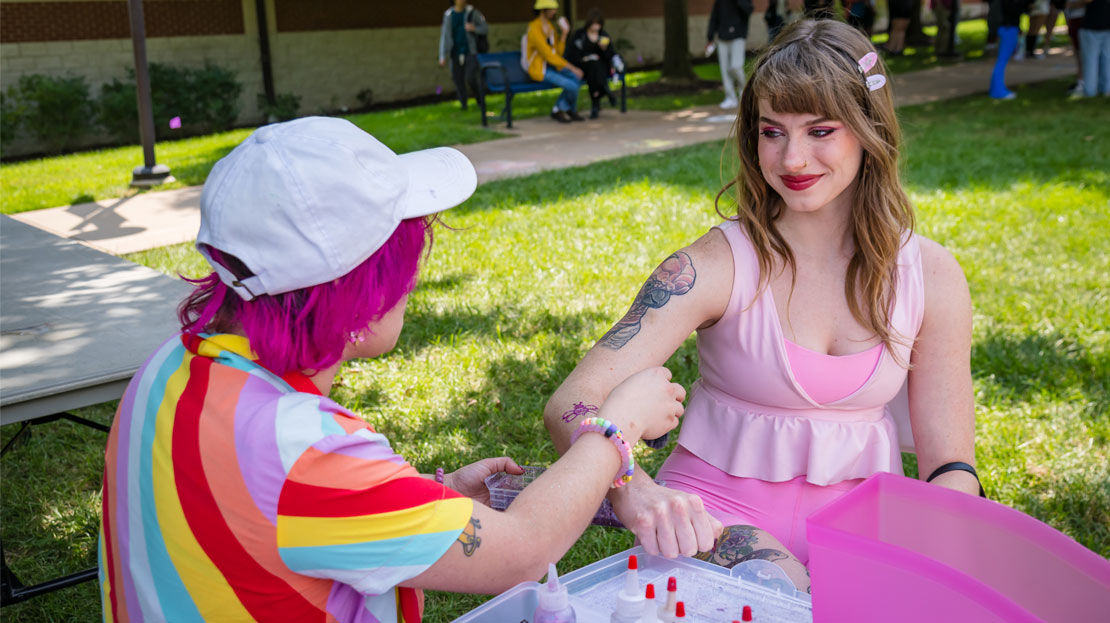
[356, 337]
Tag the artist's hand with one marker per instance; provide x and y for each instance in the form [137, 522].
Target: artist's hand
[646, 405]
[666, 521]
[471, 479]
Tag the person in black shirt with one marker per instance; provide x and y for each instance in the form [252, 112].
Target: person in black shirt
[591, 49]
[458, 40]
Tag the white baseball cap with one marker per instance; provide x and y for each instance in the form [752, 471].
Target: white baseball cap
[304, 202]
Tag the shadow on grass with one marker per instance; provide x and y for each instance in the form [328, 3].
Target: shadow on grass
[1076, 503]
[445, 283]
[424, 328]
[51, 514]
[1018, 368]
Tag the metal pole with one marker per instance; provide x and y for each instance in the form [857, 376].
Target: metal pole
[151, 173]
[264, 50]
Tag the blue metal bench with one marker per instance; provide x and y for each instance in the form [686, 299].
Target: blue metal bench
[500, 72]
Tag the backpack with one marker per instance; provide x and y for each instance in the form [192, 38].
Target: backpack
[481, 41]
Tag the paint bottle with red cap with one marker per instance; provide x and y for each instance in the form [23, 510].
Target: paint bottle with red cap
[651, 609]
[630, 601]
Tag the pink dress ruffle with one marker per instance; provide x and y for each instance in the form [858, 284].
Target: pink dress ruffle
[754, 441]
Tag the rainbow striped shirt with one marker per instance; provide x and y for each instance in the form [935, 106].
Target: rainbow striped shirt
[233, 494]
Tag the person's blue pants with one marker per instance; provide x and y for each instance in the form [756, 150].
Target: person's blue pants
[1007, 44]
[1094, 47]
[564, 78]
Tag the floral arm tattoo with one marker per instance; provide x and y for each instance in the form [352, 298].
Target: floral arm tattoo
[469, 538]
[736, 545]
[674, 277]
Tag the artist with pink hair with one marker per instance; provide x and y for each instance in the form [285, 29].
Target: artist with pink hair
[235, 489]
[814, 303]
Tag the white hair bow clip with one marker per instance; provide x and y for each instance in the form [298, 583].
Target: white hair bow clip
[865, 64]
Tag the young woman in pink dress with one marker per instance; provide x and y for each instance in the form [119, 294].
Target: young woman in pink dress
[813, 305]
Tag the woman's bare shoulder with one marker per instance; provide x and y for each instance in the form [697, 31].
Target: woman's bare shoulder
[944, 280]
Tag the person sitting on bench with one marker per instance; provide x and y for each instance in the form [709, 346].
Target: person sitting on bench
[542, 57]
[591, 49]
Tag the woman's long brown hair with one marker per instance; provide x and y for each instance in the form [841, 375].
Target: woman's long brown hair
[811, 68]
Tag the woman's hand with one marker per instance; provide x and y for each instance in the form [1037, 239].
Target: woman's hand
[471, 479]
[646, 405]
[665, 521]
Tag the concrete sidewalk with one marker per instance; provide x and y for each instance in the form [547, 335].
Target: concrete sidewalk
[154, 219]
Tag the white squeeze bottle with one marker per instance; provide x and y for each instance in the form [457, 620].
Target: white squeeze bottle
[630, 603]
[554, 601]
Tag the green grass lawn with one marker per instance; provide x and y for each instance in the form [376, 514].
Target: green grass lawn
[540, 267]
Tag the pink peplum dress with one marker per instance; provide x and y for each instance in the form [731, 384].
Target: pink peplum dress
[773, 430]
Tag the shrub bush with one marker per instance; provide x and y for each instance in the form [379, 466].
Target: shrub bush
[11, 117]
[284, 108]
[57, 111]
[206, 99]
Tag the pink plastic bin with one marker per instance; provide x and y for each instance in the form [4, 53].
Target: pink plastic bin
[898, 549]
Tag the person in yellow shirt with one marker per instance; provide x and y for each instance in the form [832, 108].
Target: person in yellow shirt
[543, 59]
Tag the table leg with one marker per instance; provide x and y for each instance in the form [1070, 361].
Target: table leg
[12, 591]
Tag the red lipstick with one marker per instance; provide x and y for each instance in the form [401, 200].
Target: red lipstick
[800, 182]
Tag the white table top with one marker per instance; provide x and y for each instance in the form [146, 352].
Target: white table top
[75, 323]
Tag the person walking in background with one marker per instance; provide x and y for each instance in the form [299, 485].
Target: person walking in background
[1038, 12]
[543, 59]
[728, 25]
[774, 21]
[1008, 32]
[820, 9]
[1094, 37]
[945, 43]
[591, 50]
[900, 12]
[1073, 17]
[458, 39]
[861, 14]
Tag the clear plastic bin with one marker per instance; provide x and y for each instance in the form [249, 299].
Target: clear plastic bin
[504, 487]
[712, 594]
[898, 549]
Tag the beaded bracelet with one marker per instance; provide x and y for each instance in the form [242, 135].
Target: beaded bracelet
[439, 475]
[614, 434]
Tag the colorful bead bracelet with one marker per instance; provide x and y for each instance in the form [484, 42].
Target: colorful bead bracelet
[614, 434]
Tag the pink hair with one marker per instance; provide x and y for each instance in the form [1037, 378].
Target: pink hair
[307, 330]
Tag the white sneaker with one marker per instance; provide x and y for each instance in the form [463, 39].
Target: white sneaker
[729, 104]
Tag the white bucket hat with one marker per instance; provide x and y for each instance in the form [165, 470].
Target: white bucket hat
[304, 202]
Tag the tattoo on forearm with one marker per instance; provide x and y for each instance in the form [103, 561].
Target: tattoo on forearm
[674, 277]
[577, 410]
[469, 537]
